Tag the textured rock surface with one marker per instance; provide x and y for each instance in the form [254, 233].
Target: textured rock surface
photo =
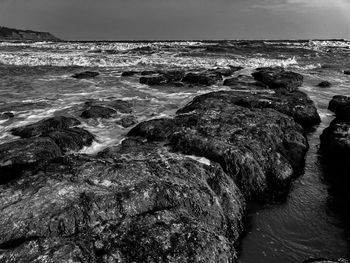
[295, 104]
[340, 105]
[324, 84]
[61, 129]
[277, 78]
[105, 109]
[85, 75]
[132, 203]
[259, 148]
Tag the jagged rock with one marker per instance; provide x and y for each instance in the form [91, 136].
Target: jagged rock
[324, 84]
[43, 127]
[6, 115]
[148, 72]
[295, 104]
[243, 82]
[277, 78]
[18, 155]
[136, 202]
[340, 105]
[173, 75]
[206, 78]
[96, 111]
[153, 80]
[85, 75]
[127, 121]
[105, 109]
[260, 149]
[61, 129]
[129, 73]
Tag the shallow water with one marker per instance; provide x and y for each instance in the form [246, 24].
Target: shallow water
[35, 83]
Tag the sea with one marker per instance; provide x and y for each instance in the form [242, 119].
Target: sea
[36, 83]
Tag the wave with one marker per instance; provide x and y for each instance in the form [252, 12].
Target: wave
[84, 59]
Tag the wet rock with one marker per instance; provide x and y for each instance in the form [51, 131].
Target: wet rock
[18, 155]
[340, 105]
[206, 78]
[153, 80]
[105, 109]
[260, 149]
[173, 76]
[136, 202]
[277, 78]
[127, 121]
[96, 111]
[85, 75]
[129, 73]
[41, 128]
[148, 72]
[60, 129]
[6, 115]
[295, 104]
[226, 72]
[243, 81]
[324, 84]
[72, 139]
[347, 72]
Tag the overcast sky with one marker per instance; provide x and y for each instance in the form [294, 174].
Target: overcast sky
[180, 19]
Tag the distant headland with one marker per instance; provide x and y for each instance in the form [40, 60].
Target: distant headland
[11, 34]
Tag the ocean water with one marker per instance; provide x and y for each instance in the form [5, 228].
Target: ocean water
[35, 83]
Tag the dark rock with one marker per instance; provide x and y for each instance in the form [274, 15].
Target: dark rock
[61, 129]
[6, 115]
[295, 104]
[11, 34]
[97, 112]
[260, 149]
[85, 75]
[226, 72]
[324, 84]
[18, 155]
[132, 203]
[72, 138]
[335, 141]
[173, 75]
[153, 80]
[45, 126]
[235, 68]
[105, 109]
[340, 105]
[148, 72]
[347, 72]
[204, 78]
[277, 78]
[127, 121]
[244, 82]
[129, 73]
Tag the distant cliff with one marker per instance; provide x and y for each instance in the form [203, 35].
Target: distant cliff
[16, 34]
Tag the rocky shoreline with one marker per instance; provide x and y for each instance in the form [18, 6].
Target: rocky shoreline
[146, 199]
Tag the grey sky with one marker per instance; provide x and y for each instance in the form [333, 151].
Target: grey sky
[180, 19]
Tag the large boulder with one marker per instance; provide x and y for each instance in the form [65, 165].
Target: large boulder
[153, 80]
[85, 75]
[19, 155]
[277, 78]
[340, 105]
[136, 202]
[205, 78]
[105, 109]
[62, 130]
[261, 149]
[244, 82]
[295, 104]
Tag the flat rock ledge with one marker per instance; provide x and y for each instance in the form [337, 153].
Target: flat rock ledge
[147, 200]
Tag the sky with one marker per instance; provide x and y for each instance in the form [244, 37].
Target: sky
[180, 19]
